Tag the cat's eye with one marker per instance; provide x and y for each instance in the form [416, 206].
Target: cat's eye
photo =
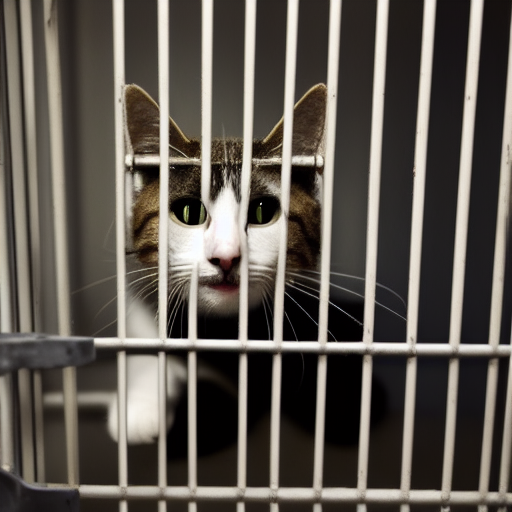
[262, 210]
[189, 211]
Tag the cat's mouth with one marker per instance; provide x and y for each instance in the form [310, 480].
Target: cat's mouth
[227, 284]
[225, 287]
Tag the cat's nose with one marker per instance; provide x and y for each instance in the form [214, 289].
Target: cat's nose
[225, 263]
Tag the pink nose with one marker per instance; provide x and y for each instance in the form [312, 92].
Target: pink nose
[225, 263]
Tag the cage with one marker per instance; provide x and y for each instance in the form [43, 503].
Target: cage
[393, 406]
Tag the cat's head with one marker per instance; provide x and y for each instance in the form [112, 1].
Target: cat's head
[209, 237]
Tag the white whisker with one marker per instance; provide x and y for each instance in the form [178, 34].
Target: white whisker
[291, 325]
[178, 151]
[310, 317]
[265, 305]
[357, 278]
[352, 292]
[330, 302]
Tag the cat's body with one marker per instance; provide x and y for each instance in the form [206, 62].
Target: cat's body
[207, 236]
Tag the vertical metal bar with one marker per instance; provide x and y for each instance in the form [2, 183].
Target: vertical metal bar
[289, 97]
[249, 71]
[420, 169]
[21, 226]
[29, 110]
[500, 253]
[27, 46]
[6, 306]
[242, 428]
[379, 84]
[192, 396]
[6, 424]
[461, 230]
[325, 265]
[21, 219]
[60, 227]
[39, 425]
[206, 98]
[27, 431]
[119, 81]
[163, 96]
[6, 314]
[162, 427]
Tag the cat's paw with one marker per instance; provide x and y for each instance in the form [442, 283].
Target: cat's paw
[142, 419]
[142, 414]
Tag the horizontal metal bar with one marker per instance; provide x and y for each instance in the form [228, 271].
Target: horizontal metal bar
[153, 160]
[346, 347]
[86, 400]
[294, 494]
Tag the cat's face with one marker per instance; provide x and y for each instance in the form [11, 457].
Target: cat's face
[208, 235]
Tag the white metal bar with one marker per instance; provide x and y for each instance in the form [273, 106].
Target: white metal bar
[420, 170]
[243, 375]
[6, 424]
[249, 70]
[39, 425]
[29, 110]
[275, 425]
[60, 226]
[162, 425]
[289, 98]
[58, 165]
[21, 227]
[379, 85]
[192, 388]
[6, 311]
[249, 66]
[461, 231]
[500, 254]
[122, 449]
[27, 431]
[163, 242]
[479, 350]
[153, 160]
[6, 314]
[328, 174]
[119, 81]
[163, 95]
[206, 97]
[192, 424]
[292, 24]
[325, 265]
[20, 207]
[294, 495]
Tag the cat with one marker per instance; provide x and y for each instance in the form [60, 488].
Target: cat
[209, 238]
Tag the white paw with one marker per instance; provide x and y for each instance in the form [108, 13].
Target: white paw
[142, 414]
[142, 419]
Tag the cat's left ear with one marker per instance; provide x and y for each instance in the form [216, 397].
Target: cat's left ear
[142, 125]
[308, 125]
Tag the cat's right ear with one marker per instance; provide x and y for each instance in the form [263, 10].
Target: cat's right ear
[142, 125]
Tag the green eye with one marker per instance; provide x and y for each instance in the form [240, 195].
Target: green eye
[189, 210]
[262, 210]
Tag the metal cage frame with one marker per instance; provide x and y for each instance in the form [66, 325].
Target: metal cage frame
[19, 285]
